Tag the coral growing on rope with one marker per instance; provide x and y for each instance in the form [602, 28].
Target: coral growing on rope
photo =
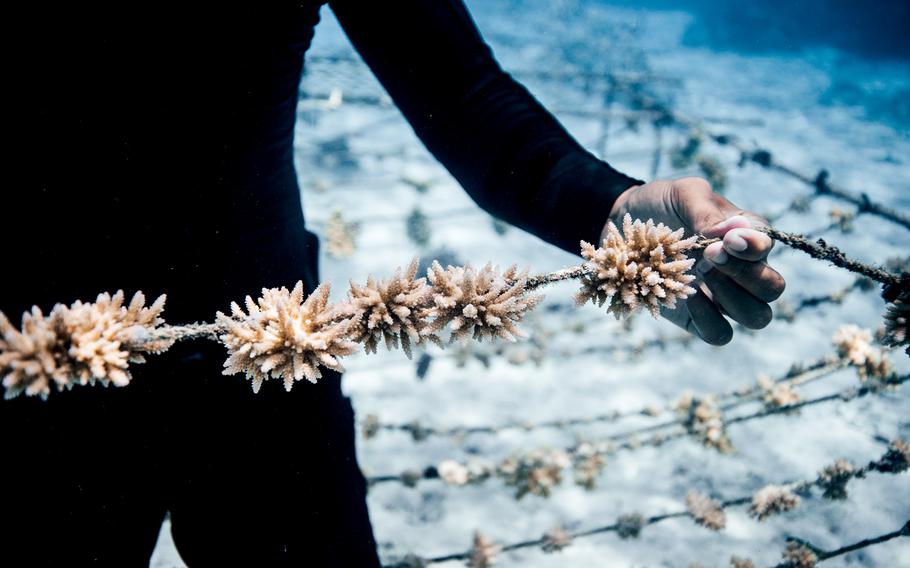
[389, 310]
[707, 512]
[478, 304]
[897, 322]
[483, 552]
[79, 344]
[772, 499]
[644, 266]
[284, 336]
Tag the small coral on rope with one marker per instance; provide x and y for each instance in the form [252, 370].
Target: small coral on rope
[707, 512]
[854, 344]
[630, 525]
[555, 540]
[897, 317]
[798, 555]
[284, 337]
[772, 499]
[777, 395]
[389, 310]
[478, 304]
[644, 266]
[834, 479]
[340, 235]
[79, 344]
[896, 459]
[536, 473]
[483, 552]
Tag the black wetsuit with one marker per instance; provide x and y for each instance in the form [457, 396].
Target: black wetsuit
[152, 149]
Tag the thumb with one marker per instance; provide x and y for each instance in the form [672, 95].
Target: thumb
[702, 210]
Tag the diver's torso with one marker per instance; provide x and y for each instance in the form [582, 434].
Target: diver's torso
[153, 150]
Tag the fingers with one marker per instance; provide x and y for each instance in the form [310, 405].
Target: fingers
[706, 321]
[735, 301]
[740, 239]
[756, 278]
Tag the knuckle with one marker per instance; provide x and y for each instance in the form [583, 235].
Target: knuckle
[693, 184]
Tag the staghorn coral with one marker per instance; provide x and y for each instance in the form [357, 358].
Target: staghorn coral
[798, 555]
[897, 317]
[34, 358]
[80, 344]
[340, 235]
[642, 267]
[776, 395]
[854, 344]
[555, 540]
[478, 303]
[483, 552]
[833, 479]
[703, 418]
[772, 499]
[388, 310]
[630, 525]
[536, 473]
[284, 337]
[370, 426]
[896, 459]
[453, 473]
[707, 512]
[587, 467]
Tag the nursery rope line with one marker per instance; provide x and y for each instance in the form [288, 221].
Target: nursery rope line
[608, 445]
[768, 501]
[764, 158]
[799, 374]
[822, 555]
[289, 335]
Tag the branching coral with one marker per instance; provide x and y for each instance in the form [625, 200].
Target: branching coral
[707, 512]
[483, 552]
[284, 336]
[555, 540]
[834, 478]
[854, 344]
[340, 235]
[536, 473]
[798, 555]
[777, 395]
[644, 266]
[896, 459]
[79, 344]
[389, 310]
[478, 303]
[703, 418]
[629, 525]
[772, 499]
[897, 322]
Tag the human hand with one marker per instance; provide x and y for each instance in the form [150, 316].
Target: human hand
[732, 277]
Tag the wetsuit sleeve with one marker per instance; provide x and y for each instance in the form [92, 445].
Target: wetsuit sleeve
[511, 155]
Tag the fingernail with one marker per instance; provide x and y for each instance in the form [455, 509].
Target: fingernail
[734, 221]
[734, 241]
[716, 255]
[703, 266]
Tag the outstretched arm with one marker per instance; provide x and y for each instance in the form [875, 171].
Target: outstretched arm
[505, 149]
[521, 165]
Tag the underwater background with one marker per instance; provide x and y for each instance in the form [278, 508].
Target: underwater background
[822, 85]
